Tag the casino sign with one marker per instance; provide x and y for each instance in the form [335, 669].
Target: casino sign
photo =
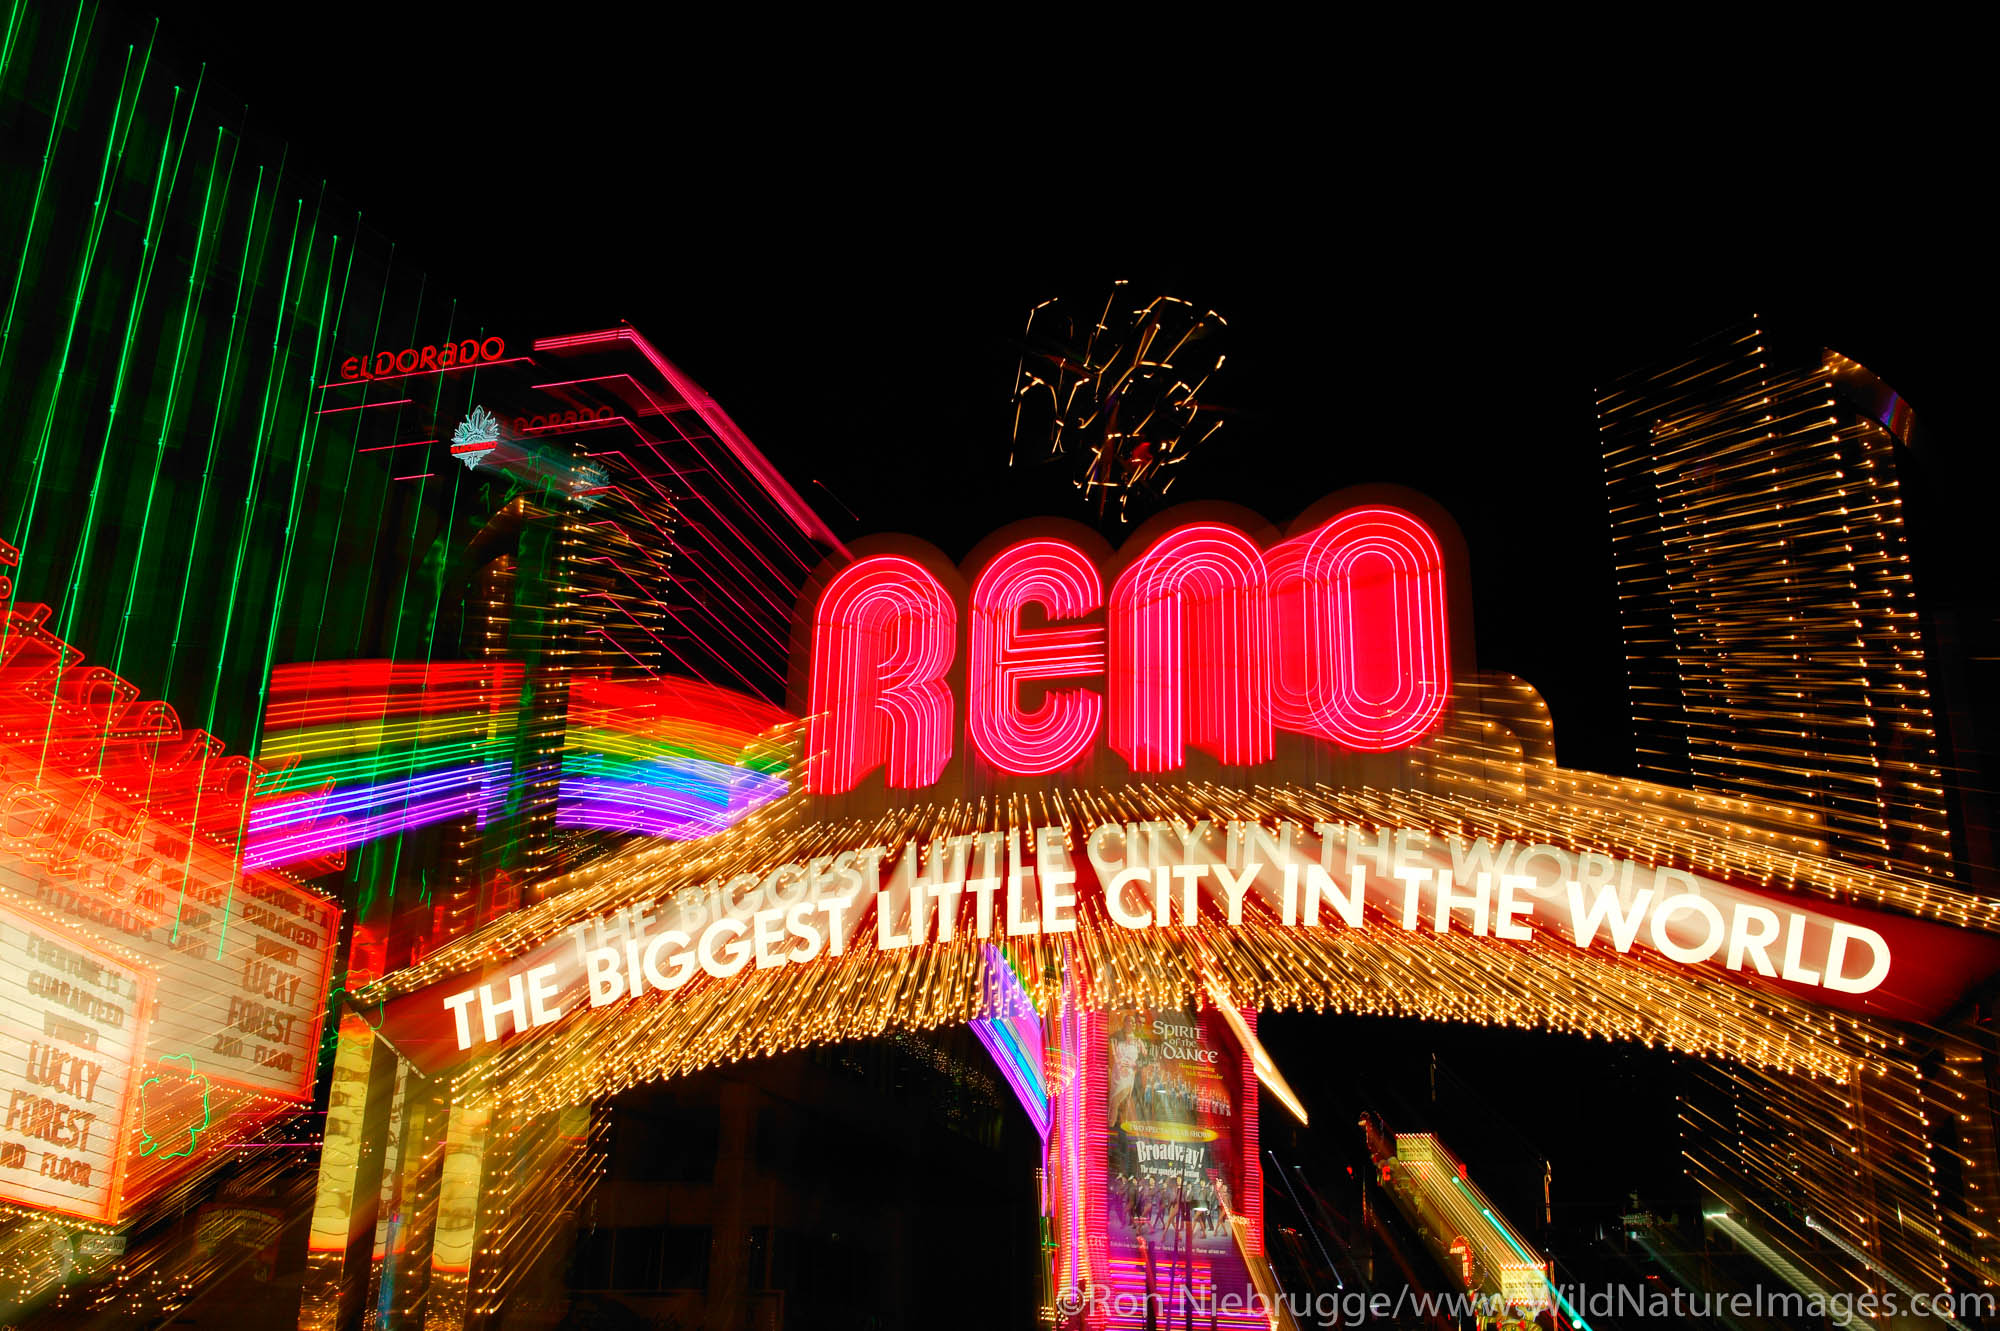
[1107, 806]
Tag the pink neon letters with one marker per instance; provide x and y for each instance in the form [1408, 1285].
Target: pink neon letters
[883, 638]
[1004, 655]
[1339, 633]
[1357, 613]
[1191, 651]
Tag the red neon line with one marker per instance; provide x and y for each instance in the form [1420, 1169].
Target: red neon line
[718, 422]
[383, 448]
[628, 651]
[693, 441]
[363, 406]
[411, 374]
[417, 476]
[685, 477]
[571, 383]
[710, 468]
[574, 425]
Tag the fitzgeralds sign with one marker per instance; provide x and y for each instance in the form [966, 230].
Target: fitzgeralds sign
[1206, 640]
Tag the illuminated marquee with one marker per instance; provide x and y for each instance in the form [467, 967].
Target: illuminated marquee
[1140, 877]
[72, 1022]
[116, 822]
[1207, 641]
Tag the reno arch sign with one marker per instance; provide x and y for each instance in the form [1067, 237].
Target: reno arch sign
[1196, 637]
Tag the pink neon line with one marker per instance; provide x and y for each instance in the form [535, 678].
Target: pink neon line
[719, 422]
[747, 682]
[573, 425]
[621, 647]
[717, 620]
[415, 476]
[708, 503]
[383, 448]
[571, 383]
[363, 406]
[692, 442]
[743, 541]
[626, 375]
[694, 637]
[411, 374]
[658, 564]
[713, 617]
[778, 639]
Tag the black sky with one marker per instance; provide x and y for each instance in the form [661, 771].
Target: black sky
[1423, 281]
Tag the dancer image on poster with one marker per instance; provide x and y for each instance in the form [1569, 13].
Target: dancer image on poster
[1125, 1051]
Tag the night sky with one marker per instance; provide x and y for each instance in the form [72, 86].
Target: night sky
[846, 262]
[847, 265]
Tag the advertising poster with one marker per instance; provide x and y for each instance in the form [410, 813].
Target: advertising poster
[1175, 1154]
[72, 1020]
[243, 972]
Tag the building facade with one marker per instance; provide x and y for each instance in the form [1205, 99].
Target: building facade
[1780, 646]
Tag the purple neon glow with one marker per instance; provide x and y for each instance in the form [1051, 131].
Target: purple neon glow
[1004, 1057]
[662, 811]
[304, 827]
[1012, 1034]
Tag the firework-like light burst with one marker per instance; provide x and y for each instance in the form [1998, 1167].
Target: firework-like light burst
[1116, 398]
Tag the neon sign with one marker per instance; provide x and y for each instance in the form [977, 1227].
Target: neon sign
[557, 419]
[449, 356]
[1206, 642]
[1100, 878]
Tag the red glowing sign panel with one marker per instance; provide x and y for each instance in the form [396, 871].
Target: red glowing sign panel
[1210, 643]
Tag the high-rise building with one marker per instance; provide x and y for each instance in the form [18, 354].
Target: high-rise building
[1774, 642]
[1777, 648]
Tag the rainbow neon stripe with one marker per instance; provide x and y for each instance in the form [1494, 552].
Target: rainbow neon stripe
[1011, 1031]
[668, 757]
[379, 748]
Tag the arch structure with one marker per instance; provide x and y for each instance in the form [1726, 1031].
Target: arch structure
[1486, 885]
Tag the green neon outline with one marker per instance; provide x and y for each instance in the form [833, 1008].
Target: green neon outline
[149, 1145]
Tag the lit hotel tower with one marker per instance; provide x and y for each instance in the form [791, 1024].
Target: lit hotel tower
[1774, 650]
[1773, 645]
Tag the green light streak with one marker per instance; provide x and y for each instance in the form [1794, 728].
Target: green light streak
[114, 158]
[24, 525]
[7, 43]
[395, 851]
[164, 180]
[279, 341]
[221, 397]
[196, 270]
[281, 346]
[327, 579]
[41, 185]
